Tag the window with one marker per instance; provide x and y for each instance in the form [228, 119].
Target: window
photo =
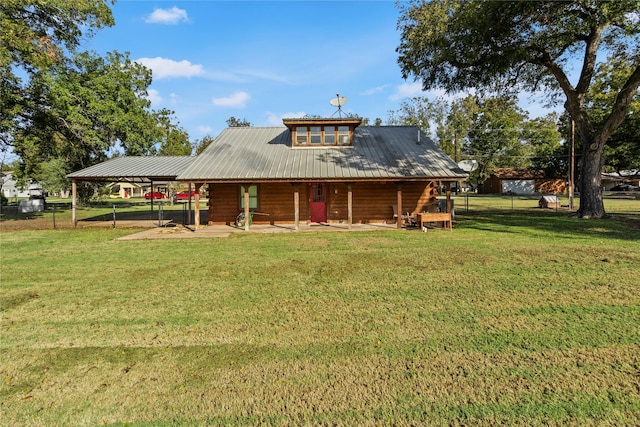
[301, 135]
[318, 193]
[330, 135]
[315, 135]
[343, 135]
[253, 197]
[316, 132]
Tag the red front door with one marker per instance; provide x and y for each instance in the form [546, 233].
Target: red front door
[318, 202]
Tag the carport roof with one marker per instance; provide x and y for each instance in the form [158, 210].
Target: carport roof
[135, 167]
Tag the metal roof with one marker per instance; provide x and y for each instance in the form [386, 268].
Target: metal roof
[161, 168]
[378, 153]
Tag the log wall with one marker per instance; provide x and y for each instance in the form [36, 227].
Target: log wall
[372, 202]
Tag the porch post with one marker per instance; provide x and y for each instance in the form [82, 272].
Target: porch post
[189, 215]
[399, 202]
[448, 187]
[296, 206]
[350, 205]
[197, 204]
[247, 217]
[74, 197]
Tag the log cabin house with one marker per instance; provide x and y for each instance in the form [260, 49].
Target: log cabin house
[318, 171]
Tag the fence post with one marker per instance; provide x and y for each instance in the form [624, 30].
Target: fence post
[114, 216]
[54, 215]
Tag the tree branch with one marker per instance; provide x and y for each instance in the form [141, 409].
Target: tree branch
[621, 106]
[589, 62]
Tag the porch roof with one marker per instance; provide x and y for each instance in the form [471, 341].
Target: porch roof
[165, 168]
[378, 153]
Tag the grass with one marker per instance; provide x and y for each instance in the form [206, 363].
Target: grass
[523, 317]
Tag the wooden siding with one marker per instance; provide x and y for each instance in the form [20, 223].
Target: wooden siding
[224, 203]
[372, 202]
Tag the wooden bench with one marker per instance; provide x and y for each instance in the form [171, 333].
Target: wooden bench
[444, 217]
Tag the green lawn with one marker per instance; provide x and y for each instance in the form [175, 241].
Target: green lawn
[524, 317]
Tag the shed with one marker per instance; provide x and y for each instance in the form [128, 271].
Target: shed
[512, 181]
[549, 202]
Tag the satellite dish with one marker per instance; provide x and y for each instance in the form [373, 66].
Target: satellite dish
[468, 165]
[339, 101]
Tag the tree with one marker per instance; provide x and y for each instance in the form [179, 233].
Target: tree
[35, 36]
[622, 149]
[491, 45]
[201, 144]
[232, 122]
[80, 108]
[454, 121]
[417, 111]
[176, 143]
[53, 176]
[495, 140]
[545, 141]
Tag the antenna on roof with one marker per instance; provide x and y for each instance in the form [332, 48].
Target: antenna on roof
[338, 101]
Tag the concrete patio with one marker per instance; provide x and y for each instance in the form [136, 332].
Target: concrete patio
[173, 231]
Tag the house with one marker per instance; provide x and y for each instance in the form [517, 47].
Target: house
[126, 190]
[313, 171]
[320, 171]
[625, 177]
[11, 189]
[521, 182]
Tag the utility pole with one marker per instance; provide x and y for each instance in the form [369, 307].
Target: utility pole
[455, 145]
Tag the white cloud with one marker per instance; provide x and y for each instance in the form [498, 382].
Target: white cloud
[154, 96]
[237, 100]
[165, 68]
[276, 120]
[374, 90]
[171, 16]
[204, 129]
[407, 90]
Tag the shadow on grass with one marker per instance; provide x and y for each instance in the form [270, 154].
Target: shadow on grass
[543, 222]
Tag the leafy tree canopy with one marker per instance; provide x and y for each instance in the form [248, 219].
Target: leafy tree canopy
[176, 143]
[201, 144]
[63, 109]
[233, 122]
[78, 109]
[35, 35]
[623, 148]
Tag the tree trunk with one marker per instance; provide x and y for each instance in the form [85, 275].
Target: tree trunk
[591, 202]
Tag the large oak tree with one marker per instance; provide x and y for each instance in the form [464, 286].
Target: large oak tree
[62, 109]
[36, 35]
[529, 45]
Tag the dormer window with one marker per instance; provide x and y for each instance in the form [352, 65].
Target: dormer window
[321, 132]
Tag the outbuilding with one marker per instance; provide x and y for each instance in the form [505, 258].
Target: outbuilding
[549, 202]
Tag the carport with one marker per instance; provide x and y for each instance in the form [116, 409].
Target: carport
[130, 169]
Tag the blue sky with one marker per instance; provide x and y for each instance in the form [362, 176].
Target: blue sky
[263, 60]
